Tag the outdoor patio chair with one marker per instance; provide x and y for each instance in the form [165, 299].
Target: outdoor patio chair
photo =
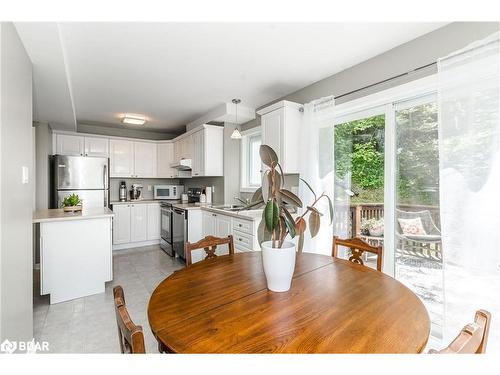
[426, 245]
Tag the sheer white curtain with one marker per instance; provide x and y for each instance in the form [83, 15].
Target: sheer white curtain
[316, 167]
[469, 152]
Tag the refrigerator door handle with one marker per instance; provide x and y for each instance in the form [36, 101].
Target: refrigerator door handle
[105, 176]
[105, 198]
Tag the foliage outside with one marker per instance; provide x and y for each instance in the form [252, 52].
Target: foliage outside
[359, 151]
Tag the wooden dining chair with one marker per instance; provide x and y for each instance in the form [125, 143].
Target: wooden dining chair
[130, 335]
[209, 244]
[358, 247]
[473, 337]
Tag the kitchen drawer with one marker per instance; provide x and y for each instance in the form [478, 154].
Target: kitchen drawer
[245, 226]
[243, 241]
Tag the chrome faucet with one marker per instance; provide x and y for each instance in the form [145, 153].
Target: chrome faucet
[245, 202]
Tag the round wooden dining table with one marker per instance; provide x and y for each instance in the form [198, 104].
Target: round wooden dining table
[222, 305]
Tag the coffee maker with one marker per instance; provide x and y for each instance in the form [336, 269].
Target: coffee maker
[122, 196]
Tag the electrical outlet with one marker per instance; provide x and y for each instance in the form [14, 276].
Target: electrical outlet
[150, 188]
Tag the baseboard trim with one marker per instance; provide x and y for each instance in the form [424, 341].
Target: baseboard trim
[131, 245]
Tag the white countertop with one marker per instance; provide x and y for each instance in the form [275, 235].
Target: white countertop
[138, 201]
[57, 214]
[243, 214]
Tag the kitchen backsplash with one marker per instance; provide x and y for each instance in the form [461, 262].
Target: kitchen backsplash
[114, 185]
[216, 182]
[291, 182]
[202, 182]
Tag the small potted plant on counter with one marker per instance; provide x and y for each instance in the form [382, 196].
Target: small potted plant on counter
[278, 255]
[72, 203]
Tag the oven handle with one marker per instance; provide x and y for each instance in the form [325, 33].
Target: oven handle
[179, 211]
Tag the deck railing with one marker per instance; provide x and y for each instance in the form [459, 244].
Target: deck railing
[358, 212]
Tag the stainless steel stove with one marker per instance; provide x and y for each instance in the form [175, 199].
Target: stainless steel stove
[166, 240]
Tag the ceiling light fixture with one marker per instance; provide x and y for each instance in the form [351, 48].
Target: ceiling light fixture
[133, 120]
[236, 133]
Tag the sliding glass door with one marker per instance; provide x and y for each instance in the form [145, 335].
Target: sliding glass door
[387, 193]
[417, 228]
[359, 148]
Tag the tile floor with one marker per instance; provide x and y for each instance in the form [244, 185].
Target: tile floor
[88, 325]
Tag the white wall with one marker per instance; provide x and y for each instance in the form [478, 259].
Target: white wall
[16, 199]
[231, 165]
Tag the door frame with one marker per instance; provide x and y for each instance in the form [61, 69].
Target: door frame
[384, 102]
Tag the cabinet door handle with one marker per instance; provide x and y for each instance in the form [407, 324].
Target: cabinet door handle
[239, 225]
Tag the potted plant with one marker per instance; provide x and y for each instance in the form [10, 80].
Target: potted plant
[278, 255]
[72, 203]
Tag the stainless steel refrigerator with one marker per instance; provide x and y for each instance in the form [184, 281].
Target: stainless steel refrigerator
[86, 176]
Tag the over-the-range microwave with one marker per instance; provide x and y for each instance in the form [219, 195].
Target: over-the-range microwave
[168, 191]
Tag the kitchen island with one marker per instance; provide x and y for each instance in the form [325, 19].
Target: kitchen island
[75, 252]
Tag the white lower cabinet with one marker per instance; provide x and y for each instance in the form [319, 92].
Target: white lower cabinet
[243, 231]
[121, 224]
[136, 222]
[154, 221]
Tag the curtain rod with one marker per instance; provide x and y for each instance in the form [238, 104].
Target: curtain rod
[301, 109]
[386, 80]
[414, 70]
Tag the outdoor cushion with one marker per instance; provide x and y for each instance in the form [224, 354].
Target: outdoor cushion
[412, 227]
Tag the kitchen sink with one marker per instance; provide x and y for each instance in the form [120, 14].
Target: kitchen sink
[232, 207]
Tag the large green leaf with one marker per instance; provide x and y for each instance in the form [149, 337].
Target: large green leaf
[290, 198]
[263, 234]
[268, 156]
[314, 223]
[271, 213]
[289, 222]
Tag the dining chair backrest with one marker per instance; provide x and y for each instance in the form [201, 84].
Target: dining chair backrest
[209, 244]
[358, 247]
[473, 337]
[130, 335]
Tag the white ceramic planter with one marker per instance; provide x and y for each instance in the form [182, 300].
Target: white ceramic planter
[279, 264]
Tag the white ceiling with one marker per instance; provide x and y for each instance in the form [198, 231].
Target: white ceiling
[174, 73]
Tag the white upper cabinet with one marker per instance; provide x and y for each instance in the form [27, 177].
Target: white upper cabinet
[132, 159]
[96, 146]
[72, 145]
[78, 145]
[280, 125]
[183, 148]
[165, 158]
[208, 151]
[145, 159]
[121, 158]
[197, 167]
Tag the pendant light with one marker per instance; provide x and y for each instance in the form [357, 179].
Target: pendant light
[236, 133]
